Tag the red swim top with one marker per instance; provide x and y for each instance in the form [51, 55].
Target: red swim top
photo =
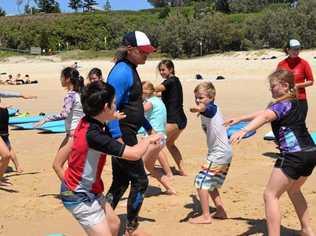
[301, 70]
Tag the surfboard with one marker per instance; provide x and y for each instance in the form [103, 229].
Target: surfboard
[270, 136]
[55, 129]
[237, 127]
[27, 119]
[46, 125]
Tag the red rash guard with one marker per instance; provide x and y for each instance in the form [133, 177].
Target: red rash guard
[301, 70]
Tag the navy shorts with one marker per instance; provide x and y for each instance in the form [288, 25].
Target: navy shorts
[297, 164]
[6, 140]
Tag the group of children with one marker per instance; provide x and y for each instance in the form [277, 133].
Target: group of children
[88, 109]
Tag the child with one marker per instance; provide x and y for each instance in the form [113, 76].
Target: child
[297, 150]
[82, 186]
[94, 74]
[72, 109]
[155, 113]
[4, 133]
[172, 96]
[214, 170]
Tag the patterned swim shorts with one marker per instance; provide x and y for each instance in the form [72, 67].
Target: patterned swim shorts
[212, 178]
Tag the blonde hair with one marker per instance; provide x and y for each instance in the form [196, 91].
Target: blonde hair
[284, 77]
[207, 87]
[149, 87]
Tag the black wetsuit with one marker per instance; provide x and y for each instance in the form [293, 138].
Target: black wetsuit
[4, 124]
[173, 100]
[128, 91]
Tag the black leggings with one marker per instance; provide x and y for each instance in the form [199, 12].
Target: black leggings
[304, 107]
[123, 172]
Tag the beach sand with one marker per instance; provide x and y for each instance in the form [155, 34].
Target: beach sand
[30, 206]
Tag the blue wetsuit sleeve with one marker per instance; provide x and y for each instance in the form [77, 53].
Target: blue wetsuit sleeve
[121, 78]
[210, 110]
[147, 126]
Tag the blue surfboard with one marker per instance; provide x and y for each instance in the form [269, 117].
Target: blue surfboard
[237, 127]
[27, 119]
[12, 111]
[46, 125]
[55, 129]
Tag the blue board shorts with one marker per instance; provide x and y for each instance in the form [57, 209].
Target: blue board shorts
[212, 178]
[88, 212]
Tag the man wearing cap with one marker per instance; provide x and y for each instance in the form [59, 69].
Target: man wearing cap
[303, 76]
[128, 94]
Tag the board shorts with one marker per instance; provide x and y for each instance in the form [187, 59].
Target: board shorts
[297, 164]
[88, 212]
[212, 178]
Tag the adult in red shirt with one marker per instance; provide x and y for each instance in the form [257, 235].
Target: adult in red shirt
[303, 75]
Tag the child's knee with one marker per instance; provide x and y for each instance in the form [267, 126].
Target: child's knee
[268, 195]
[6, 157]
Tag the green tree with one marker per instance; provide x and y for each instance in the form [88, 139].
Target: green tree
[2, 12]
[75, 4]
[88, 5]
[48, 6]
[107, 6]
[164, 3]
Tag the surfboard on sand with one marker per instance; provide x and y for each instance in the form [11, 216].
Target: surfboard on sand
[30, 126]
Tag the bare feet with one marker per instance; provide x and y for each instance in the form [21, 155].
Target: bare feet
[221, 215]
[19, 170]
[182, 173]
[136, 232]
[201, 220]
[4, 182]
[170, 191]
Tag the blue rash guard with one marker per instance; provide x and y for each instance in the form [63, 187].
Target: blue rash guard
[128, 94]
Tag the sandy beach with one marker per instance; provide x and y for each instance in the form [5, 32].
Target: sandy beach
[30, 206]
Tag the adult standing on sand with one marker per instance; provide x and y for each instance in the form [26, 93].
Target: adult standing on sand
[303, 75]
[124, 78]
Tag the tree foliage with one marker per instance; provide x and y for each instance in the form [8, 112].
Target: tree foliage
[2, 12]
[75, 4]
[48, 6]
[88, 5]
[180, 33]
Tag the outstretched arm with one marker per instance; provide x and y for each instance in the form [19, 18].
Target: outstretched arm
[259, 120]
[248, 117]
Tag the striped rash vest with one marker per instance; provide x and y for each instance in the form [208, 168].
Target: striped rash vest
[91, 142]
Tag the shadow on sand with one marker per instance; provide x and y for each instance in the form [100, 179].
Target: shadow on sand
[259, 226]
[272, 155]
[196, 209]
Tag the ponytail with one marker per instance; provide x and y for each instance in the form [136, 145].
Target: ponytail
[75, 79]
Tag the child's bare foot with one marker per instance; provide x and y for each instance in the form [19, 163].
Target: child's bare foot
[19, 170]
[182, 173]
[136, 232]
[170, 191]
[201, 220]
[221, 215]
[4, 182]
[307, 232]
